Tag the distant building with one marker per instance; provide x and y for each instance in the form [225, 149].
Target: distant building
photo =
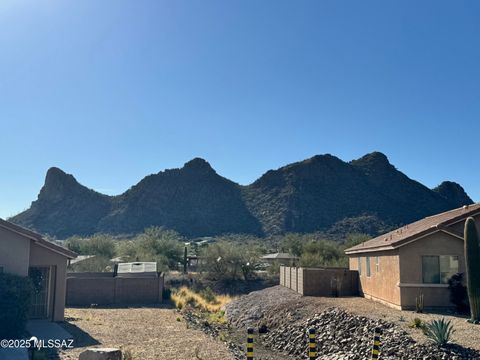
[419, 258]
[280, 258]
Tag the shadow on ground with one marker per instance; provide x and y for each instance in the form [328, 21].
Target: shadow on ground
[81, 338]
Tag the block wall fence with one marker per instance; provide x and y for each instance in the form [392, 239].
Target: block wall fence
[320, 281]
[84, 289]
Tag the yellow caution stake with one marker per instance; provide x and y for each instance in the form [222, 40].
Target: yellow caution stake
[376, 344]
[312, 344]
[249, 344]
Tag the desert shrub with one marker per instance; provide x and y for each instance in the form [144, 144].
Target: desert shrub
[165, 247]
[228, 261]
[439, 331]
[292, 244]
[209, 295]
[100, 244]
[15, 299]
[75, 243]
[185, 296]
[274, 268]
[322, 253]
[94, 264]
[458, 293]
[417, 323]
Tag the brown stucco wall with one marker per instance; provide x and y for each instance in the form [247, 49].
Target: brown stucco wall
[435, 295]
[319, 282]
[104, 289]
[381, 286]
[14, 252]
[40, 256]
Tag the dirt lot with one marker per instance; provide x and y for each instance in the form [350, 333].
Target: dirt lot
[147, 333]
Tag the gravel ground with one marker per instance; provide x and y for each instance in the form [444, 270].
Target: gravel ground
[148, 333]
[279, 306]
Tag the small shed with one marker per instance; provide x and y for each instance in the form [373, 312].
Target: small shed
[136, 268]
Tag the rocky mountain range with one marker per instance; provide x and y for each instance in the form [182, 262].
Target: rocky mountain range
[322, 193]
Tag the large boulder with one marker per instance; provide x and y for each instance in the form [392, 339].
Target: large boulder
[101, 354]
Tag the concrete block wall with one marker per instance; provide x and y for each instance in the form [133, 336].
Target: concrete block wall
[320, 282]
[102, 289]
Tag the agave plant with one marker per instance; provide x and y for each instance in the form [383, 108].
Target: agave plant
[439, 331]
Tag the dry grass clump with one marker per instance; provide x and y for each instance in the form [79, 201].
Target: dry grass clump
[205, 300]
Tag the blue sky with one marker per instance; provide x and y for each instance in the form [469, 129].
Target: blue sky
[113, 90]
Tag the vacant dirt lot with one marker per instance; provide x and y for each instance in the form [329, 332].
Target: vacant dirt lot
[147, 333]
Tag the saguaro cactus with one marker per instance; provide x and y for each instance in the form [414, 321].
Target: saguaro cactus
[472, 264]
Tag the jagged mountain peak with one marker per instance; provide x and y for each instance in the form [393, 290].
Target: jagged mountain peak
[198, 164]
[57, 183]
[374, 159]
[305, 196]
[55, 175]
[453, 193]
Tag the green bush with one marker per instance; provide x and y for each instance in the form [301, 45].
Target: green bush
[94, 264]
[15, 299]
[99, 244]
[439, 331]
[417, 323]
[228, 261]
[165, 247]
[209, 295]
[458, 293]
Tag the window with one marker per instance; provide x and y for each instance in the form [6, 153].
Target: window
[368, 266]
[377, 264]
[359, 266]
[438, 269]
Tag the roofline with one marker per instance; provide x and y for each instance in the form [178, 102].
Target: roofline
[405, 242]
[37, 238]
[419, 235]
[400, 243]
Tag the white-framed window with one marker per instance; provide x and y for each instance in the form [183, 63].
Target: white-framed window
[377, 264]
[368, 266]
[359, 265]
[437, 269]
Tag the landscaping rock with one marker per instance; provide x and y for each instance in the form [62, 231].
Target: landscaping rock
[341, 335]
[101, 354]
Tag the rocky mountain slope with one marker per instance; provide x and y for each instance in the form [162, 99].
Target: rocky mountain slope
[322, 193]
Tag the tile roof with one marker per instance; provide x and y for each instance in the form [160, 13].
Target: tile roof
[398, 237]
[37, 238]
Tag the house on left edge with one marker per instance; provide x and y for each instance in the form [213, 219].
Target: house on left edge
[26, 253]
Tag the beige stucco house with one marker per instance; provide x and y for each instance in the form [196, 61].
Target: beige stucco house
[25, 253]
[419, 258]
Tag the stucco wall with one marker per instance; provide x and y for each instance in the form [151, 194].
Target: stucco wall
[40, 256]
[435, 295]
[459, 227]
[320, 282]
[382, 285]
[102, 289]
[14, 252]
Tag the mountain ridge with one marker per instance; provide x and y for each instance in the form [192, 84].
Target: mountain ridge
[316, 194]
